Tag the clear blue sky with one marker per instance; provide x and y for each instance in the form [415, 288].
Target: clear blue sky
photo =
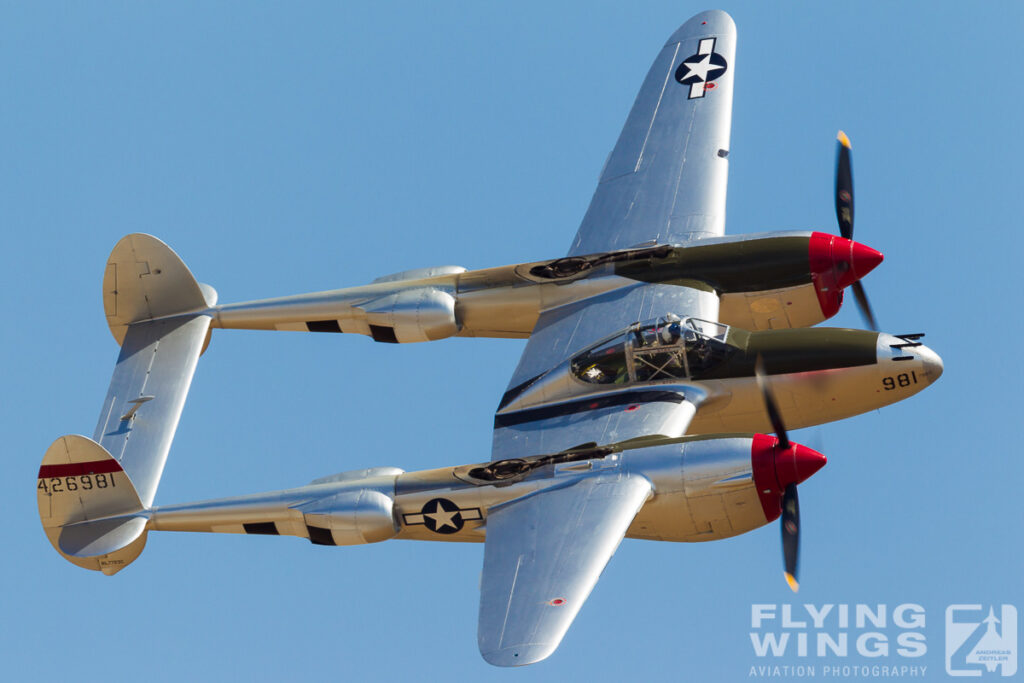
[290, 147]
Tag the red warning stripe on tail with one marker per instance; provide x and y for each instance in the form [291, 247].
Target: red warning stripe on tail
[76, 469]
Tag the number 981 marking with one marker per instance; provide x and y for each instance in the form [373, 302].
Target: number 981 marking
[904, 379]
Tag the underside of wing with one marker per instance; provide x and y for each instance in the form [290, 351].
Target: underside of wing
[665, 180]
[543, 555]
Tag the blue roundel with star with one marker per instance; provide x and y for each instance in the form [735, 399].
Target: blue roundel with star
[442, 516]
[699, 70]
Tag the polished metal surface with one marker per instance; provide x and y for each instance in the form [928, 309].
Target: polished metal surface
[144, 279]
[414, 315]
[158, 360]
[81, 487]
[665, 180]
[604, 418]
[355, 510]
[534, 582]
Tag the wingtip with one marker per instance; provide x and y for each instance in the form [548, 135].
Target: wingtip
[710, 22]
[843, 140]
[791, 580]
[521, 655]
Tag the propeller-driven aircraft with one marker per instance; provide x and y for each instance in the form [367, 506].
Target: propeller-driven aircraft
[658, 351]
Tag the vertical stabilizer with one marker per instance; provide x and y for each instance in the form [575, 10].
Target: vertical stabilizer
[89, 508]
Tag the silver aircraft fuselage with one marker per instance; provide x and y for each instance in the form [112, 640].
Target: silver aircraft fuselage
[819, 375]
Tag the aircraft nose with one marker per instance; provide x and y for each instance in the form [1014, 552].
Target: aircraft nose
[932, 362]
[896, 352]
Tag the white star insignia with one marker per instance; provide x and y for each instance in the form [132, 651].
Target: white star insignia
[701, 67]
[442, 517]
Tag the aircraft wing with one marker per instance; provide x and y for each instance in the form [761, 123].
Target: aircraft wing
[664, 183]
[543, 555]
[665, 180]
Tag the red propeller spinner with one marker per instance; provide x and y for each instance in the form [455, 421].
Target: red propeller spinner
[836, 263]
[776, 468]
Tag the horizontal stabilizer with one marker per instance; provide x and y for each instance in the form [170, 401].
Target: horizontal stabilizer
[147, 394]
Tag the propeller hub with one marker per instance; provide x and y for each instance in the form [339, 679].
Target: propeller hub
[796, 464]
[836, 263]
[863, 259]
[775, 468]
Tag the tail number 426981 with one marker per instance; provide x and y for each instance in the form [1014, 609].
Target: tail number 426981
[83, 482]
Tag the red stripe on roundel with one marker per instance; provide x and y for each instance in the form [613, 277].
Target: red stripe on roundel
[76, 469]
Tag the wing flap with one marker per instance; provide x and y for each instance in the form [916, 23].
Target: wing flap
[542, 557]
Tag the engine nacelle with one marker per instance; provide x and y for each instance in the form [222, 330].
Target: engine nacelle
[794, 292]
[412, 315]
[708, 489]
[350, 518]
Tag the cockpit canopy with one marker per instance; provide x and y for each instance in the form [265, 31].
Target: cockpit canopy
[662, 350]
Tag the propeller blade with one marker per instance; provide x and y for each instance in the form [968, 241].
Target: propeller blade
[770, 405]
[791, 534]
[864, 305]
[844, 188]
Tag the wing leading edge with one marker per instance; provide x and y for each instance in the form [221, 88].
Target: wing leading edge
[543, 555]
[665, 180]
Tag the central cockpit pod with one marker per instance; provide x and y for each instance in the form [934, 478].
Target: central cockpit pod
[664, 350]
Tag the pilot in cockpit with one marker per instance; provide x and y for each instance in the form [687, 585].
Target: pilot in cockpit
[670, 333]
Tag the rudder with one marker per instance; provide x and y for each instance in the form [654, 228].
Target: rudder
[145, 279]
[89, 507]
